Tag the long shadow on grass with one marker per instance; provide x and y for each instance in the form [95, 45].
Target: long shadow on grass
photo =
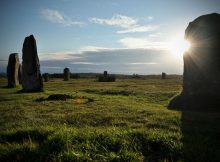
[201, 135]
[23, 150]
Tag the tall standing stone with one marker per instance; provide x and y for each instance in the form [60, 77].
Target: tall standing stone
[66, 74]
[13, 70]
[163, 76]
[31, 76]
[201, 77]
[105, 73]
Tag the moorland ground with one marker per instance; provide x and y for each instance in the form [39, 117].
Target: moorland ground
[126, 120]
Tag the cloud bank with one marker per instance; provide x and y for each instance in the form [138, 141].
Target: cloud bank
[125, 61]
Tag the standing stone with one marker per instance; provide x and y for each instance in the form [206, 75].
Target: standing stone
[105, 73]
[163, 76]
[13, 70]
[66, 74]
[106, 77]
[31, 76]
[46, 77]
[201, 77]
[19, 74]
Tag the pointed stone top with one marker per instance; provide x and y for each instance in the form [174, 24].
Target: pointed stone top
[30, 37]
[13, 54]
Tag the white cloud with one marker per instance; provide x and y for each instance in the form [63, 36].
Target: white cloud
[138, 29]
[55, 16]
[136, 42]
[52, 67]
[88, 63]
[143, 63]
[155, 35]
[128, 24]
[83, 49]
[83, 63]
[150, 18]
[117, 20]
[57, 56]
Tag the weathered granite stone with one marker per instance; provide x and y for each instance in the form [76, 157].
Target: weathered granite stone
[46, 77]
[13, 70]
[163, 76]
[201, 77]
[66, 74]
[31, 76]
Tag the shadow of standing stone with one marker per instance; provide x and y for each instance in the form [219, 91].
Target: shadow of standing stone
[31, 76]
[13, 70]
[201, 77]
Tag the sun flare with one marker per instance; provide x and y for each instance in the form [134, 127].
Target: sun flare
[179, 46]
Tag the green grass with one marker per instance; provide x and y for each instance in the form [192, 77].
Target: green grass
[126, 120]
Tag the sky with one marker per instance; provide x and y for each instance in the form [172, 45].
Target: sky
[120, 36]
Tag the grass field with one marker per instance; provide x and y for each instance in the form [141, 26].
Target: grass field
[122, 121]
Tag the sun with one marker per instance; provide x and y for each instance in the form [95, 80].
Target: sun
[178, 46]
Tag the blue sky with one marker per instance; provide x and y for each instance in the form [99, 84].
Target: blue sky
[121, 36]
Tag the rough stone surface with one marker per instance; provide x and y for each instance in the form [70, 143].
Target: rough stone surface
[31, 76]
[164, 76]
[66, 74]
[201, 77]
[46, 77]
[13, 70]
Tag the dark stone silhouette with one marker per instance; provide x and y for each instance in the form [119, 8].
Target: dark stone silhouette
[46, 77]
[13, 70]
[163, 76]
[137, 76]
[105, 73]
[20, 74]
[31, 76]
[201, 77]
[66, 74]
[106, 77]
